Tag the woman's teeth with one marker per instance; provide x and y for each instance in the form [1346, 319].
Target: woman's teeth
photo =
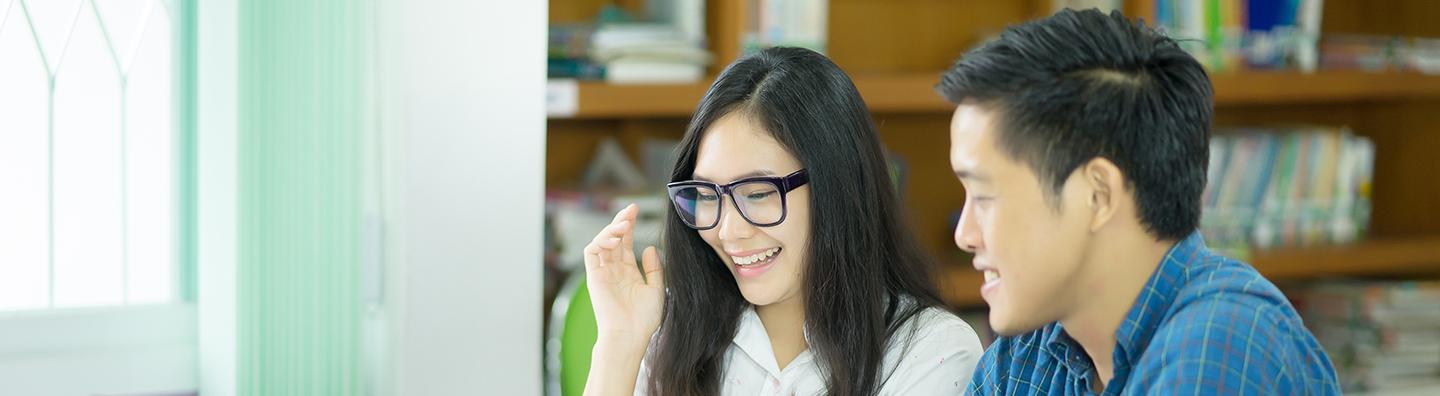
[752, 259]
[991, 275]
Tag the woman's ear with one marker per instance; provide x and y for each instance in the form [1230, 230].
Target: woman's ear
[1106, 184]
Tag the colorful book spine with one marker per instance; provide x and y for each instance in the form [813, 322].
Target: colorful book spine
[1268, 188]
[792, 23]
[1227, 35]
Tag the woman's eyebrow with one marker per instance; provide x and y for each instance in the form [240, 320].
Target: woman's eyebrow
[760, 172]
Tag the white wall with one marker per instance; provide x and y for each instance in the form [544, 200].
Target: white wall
[460, 92]
[463, 127]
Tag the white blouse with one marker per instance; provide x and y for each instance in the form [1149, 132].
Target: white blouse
[937, 360]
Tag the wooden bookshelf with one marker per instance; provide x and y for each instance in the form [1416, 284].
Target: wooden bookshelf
[902, 93]
[1291, 88]
[602, 100]
[895, 50]
[1390, 257]
[1378, 257]
[961, 286]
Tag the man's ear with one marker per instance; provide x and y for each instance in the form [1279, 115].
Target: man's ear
[1106, 186]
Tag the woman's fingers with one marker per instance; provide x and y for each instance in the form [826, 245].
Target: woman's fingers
[629, 214]
[600, 249]
[627, 243]
[595, 254]
[654, 273]
[626, 219]
[593, 250]
[614, 243]
[613, 246]
[592, 259]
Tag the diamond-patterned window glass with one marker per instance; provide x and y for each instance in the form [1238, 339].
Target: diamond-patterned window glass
[88, 153]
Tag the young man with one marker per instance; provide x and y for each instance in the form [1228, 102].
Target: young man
[1082, 142]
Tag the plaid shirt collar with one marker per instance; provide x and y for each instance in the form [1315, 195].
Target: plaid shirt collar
[1141, 322]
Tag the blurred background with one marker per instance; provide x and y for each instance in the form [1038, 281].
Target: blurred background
[339, 197]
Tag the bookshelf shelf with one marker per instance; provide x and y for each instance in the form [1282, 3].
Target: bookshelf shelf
[1377, 257]
[1408, 257]
[914, 93]
[602, 100]
[890, 93]
[1330, 86]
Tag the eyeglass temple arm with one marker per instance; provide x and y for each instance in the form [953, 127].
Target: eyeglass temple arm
[797, 179]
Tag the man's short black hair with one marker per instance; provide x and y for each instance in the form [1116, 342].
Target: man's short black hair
[1080, 85]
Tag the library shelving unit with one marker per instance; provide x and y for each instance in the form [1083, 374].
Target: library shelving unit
[912, 92]
[896, 50]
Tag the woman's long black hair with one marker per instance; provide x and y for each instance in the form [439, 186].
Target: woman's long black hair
[862, 258]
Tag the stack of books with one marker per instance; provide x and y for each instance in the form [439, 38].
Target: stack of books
[665, 45]
[568, 54]
[646, 53]
[1383, 337]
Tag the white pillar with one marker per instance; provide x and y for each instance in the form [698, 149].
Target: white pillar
[463, 140]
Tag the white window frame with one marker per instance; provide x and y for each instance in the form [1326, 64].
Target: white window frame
[138, 349]
[119, 349]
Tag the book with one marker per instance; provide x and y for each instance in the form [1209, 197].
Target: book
[581, 69]
[1381, 335]
[1277, 187]
[785, 23]
[1104, 6]
[637, 34]
[1307, 20]
[1227, 35]
[687, 17]
[644, 71]
[649, 53]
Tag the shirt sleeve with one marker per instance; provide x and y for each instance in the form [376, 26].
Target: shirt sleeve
[642, 378]
[986, 380]
[1222, 346]
[938, 360]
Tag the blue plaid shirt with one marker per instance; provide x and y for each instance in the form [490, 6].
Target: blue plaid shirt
[1203, 325]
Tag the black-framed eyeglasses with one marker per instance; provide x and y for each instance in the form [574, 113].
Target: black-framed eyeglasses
[760, 200]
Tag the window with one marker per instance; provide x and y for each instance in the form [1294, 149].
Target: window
[89, 154]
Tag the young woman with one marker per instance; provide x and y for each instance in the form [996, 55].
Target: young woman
[788, 268]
